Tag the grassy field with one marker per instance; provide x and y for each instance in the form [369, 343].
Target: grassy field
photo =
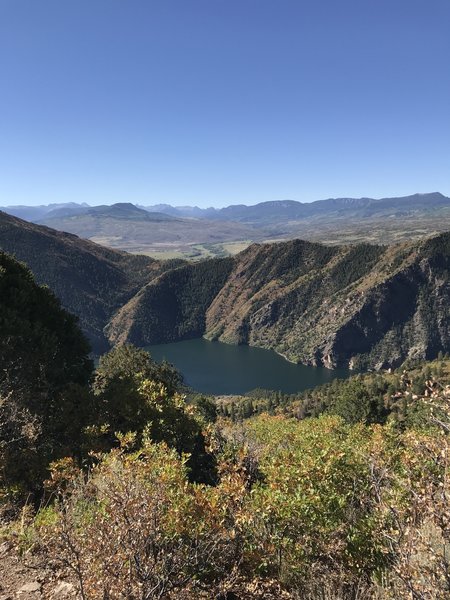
[196, 251]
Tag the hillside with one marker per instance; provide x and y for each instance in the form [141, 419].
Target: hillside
[357, 306]
[91, 281]
[171, 307]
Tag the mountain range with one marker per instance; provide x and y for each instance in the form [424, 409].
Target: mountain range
[363, 305]
[165, 231]
[262, 213]
[267, 213]
[128, 227]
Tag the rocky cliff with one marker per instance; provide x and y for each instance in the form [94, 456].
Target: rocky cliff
[357, 306]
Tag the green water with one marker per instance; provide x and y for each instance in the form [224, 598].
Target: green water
[216, 368]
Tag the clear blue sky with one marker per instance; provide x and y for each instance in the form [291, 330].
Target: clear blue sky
[216, 102]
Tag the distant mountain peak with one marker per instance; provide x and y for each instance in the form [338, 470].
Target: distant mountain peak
[127, 211]
[125, 205]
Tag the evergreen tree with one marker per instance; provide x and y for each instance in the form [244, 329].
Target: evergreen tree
[44, 374]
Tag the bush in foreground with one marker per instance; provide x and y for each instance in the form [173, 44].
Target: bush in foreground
[335, 507]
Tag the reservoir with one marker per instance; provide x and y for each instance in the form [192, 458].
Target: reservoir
[217, 368]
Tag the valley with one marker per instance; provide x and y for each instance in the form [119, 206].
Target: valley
[237, 430]
[340, 306]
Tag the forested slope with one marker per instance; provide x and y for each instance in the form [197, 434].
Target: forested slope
[173, 306]
[90, 280]
[111, 486]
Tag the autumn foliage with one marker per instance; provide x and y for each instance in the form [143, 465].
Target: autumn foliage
[311, 509]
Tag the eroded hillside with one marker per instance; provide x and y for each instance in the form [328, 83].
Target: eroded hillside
[357, 306]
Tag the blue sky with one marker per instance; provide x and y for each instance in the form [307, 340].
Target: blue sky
[217, 102]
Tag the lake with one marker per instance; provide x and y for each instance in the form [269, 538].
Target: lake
[217, 368]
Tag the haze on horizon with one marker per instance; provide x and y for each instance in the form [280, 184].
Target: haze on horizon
[212, 103]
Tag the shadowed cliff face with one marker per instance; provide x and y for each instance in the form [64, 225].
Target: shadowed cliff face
[357, 306]
[171, 307]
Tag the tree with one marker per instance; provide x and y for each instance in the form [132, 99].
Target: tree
[355, 404]
[117, 387]
[206, 408]
[135, 394]
[44, 374]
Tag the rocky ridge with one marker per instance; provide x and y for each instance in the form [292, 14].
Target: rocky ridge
[357, 306]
